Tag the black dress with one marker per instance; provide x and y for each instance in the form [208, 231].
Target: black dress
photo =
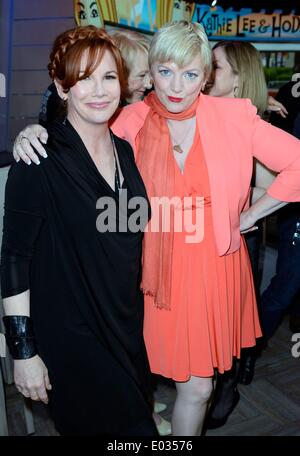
[85, 301]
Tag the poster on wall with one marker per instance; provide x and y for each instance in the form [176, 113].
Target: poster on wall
[220, 24]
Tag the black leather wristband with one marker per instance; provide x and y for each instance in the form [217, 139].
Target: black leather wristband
[19, 336]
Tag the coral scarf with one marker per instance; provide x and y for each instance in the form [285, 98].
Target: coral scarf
[156, 164]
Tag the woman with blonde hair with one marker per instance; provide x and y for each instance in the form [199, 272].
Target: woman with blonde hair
[242, 77]
[200, 306]
[134, 48]
[238, 73]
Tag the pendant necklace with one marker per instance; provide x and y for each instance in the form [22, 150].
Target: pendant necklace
[177, 146]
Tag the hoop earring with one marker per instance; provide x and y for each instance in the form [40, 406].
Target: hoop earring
[235, 91]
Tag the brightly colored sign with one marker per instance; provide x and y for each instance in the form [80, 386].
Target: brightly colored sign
[149, 15]
[248, 26]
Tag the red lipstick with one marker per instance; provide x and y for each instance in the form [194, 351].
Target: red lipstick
[175, 100]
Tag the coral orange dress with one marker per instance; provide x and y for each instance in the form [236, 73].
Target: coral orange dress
[213, 306]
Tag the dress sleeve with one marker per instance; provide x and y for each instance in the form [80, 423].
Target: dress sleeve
[280, 152]
[129, 122]
[24, 214]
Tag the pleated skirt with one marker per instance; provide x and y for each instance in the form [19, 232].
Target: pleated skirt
[213, 305]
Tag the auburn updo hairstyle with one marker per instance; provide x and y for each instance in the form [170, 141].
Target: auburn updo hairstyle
[68, 49]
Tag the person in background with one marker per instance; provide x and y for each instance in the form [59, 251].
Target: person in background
[289, 95]
[71, 293]
[201, 293]
[51, 107]
[283, 292]
[134, 48]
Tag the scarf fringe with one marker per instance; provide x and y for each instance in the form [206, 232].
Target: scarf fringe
[156, 164]
[159, 305]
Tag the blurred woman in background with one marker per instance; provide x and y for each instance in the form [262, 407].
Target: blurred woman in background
[134, 48]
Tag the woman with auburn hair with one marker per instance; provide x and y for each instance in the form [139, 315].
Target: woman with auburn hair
[200, 306]
[73, 306]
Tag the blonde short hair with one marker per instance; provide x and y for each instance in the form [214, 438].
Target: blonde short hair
[245, 61]
[129, 44]
[181, 42]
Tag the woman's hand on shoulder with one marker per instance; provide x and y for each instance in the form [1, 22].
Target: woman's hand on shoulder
[33, 135]
[31, 378]
[276, 106]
